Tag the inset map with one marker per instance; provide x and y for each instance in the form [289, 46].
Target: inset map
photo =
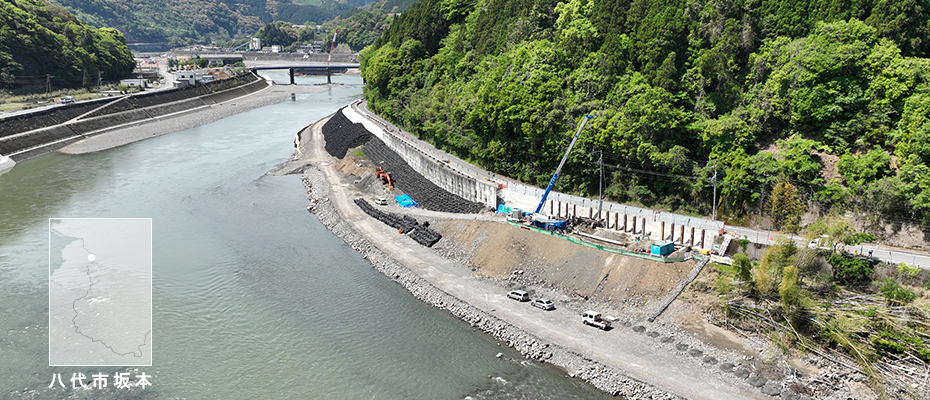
[100, 292]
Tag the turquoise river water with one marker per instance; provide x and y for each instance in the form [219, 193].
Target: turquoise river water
[252, 297]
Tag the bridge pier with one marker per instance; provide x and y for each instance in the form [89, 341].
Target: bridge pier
[290, 72]
[329, 73]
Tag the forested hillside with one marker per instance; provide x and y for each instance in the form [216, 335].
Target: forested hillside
[792, 102]
[176, 23]
[38, 39]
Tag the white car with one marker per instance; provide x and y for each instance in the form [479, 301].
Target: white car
[543, 303]
[518, 295]
[595, 319]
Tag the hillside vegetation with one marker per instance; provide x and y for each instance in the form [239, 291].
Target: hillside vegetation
[176, 23]
[791, 102]
[38, 39]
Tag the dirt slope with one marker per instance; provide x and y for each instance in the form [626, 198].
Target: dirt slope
[501, 251]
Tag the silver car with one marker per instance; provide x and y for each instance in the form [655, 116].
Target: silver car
[518, 295]
[544, 304]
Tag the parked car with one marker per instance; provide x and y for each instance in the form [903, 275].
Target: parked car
[381, 201]
[518, 295]
[595, 319]
[67, 99]
[543, 303]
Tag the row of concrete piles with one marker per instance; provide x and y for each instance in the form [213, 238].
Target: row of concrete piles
[630, 223]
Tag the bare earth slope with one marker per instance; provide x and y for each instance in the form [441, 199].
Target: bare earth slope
[676, 365]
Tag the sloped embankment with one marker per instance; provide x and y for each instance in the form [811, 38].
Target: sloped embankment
[501, 251]
[340, 134]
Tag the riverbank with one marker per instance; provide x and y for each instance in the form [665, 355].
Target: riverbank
[188, 119]
[634, 360]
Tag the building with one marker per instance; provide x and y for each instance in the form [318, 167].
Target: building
[255, 44]
[186, 78]
[135, 82]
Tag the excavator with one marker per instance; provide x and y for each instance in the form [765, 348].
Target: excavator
[385, 177]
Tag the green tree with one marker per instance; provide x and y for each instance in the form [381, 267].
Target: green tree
[785, 207]
[743, 266]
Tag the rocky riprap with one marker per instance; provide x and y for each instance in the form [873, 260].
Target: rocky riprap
[600, 376]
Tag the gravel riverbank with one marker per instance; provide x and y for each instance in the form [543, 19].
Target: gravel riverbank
[604, 378]
[189, 119]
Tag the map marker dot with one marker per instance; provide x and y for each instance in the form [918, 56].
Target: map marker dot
[91, 257]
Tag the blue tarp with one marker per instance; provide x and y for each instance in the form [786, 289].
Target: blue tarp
[406, 201]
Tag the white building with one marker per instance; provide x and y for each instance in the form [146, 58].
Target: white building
[255, 44]
[138, 82]
[188, 78]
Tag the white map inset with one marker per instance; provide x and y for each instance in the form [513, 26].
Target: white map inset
[100, 292]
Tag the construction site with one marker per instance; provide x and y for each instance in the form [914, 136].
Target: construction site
[448, 231]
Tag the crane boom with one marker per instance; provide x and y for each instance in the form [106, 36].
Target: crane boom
[555, 176]
[332, 46]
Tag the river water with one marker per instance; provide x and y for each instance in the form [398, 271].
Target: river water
[252, 297]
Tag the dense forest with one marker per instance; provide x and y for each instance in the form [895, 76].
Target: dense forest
[791, 103]
[357, 28]
[42, 43]
[171, 24]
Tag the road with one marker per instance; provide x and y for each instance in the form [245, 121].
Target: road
[621, 349]
[880, 252]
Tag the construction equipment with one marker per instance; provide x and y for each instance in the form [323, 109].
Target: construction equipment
[385, 177]
[555, 176]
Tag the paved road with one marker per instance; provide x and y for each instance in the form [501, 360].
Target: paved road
[883, 253]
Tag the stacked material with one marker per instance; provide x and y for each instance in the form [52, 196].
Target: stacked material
[340, 135]
[421, 233]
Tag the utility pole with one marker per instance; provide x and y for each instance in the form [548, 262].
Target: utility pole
[600, 186]
[48, 84]
[99, 80]
[714, 180]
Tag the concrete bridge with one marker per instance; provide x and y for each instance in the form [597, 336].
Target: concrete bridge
[291, 69]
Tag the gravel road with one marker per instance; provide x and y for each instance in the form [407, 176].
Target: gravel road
[634, 360]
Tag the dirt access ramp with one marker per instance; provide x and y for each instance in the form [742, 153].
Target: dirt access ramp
[505, 252]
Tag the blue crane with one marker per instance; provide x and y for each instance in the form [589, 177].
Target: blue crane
[559, 169]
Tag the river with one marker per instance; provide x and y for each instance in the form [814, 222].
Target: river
[252, 297]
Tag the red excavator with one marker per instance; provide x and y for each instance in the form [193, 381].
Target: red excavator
[385, 177]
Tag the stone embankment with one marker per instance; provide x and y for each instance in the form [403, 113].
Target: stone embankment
[30, 135]
[604, 378]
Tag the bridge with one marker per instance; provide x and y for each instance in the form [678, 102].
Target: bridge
[291, 69]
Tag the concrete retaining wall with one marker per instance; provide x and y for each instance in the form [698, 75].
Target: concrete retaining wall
[483, 192]
[25, 145]
[682, 229]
